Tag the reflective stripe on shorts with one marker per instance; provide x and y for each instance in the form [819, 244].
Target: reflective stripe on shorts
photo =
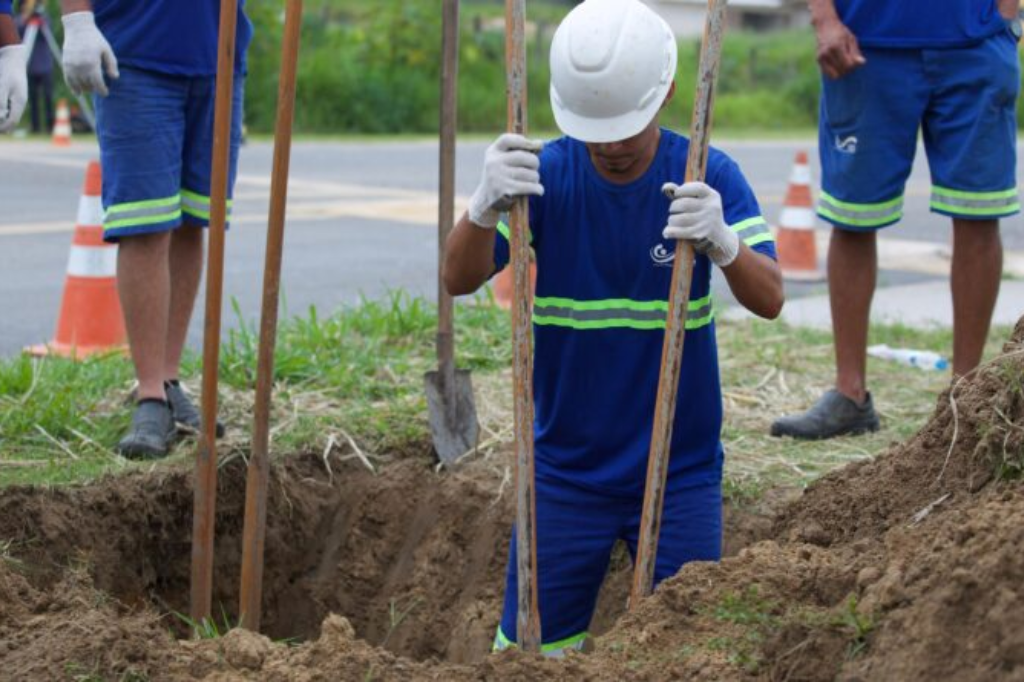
[139, 213]
[975, 204]
[860, 215]
[198, 206]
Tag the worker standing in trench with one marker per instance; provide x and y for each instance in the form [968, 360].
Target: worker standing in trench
[13, 74]
[152, 66]
[951, 70]
[604, 234]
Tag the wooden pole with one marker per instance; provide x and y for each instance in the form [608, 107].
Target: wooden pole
[254, 533]
[206, 456]
[528, 634]
[679, 299]
[446, 208]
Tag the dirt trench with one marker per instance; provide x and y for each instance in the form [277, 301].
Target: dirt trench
[413, 559]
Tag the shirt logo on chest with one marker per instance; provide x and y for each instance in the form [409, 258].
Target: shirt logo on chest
[662, 257]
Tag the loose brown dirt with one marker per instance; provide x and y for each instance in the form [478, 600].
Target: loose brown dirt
[906, 567]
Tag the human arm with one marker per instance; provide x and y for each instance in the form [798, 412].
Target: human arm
[13, 74]
[511, 169]
[696, 215]
[1009, 8]
[756, 282]
[87, 54]
[8, 30]
[468, 257]
[838, 51]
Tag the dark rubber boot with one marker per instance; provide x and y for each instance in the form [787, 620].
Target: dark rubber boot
[833, 415]
[151, 433]
[184, 410]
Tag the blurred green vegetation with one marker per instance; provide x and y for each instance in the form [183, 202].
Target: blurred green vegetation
[372, 67]
[375, 69]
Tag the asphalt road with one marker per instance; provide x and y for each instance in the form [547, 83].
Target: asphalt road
[362, 221]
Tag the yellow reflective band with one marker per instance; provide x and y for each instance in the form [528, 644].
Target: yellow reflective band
[616, 313]
[501, 642]
[753, 231]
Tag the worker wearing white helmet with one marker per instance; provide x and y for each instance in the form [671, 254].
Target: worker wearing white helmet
[604, 234]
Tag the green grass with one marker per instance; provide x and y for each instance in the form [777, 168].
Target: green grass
[356, 377]
[771, 369]
[356, 374]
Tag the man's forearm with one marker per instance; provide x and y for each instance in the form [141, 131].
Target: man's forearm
[469, 257]
[1009, 8]
[69, 6]
[8, 31]
[822, 11]
[756, 282]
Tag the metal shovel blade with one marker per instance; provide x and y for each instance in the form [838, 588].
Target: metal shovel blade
[452, 415]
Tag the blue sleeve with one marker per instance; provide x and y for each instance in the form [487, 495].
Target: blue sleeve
[5, 6]
[502, 235]
[742, 212]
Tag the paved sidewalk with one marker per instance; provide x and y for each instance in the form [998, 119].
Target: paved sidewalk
[919, 305]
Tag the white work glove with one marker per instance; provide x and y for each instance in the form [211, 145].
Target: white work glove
[696, 216]
[13, 85]
[87, 54]
[511, 170]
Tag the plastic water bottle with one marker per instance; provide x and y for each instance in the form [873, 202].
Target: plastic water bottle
[922, 359]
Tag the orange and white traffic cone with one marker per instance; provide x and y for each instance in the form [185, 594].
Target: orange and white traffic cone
[90, 321]
[796, 239]
[62, 125]
[501, 285]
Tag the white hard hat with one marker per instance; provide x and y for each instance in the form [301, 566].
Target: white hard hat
[612, 64]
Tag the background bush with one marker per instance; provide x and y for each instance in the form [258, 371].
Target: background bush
[372, 66]
[377, 71]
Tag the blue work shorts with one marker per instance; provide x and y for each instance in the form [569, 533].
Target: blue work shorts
[156, 139]
[963, 102]
[576, 531]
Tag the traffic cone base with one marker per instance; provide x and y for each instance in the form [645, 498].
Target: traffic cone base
[90, 321]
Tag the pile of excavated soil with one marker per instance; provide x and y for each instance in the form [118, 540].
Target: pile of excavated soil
[906, 567]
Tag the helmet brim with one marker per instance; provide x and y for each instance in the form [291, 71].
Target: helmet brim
[606, 130]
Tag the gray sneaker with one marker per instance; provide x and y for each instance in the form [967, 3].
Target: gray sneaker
[151, 433]
[833, 415]
[184, 410]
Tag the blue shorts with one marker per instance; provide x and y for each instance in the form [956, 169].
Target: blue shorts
[576, 531]
[964, 103]
[156, 140]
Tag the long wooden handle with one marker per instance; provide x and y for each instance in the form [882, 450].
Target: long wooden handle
[679, 299]
[528, 634]
[446, 207]
[206, 456]
[254, 532]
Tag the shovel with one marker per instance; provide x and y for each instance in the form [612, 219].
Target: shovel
[452, 410]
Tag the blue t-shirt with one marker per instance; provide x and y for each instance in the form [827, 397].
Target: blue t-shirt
[5, 6]
[603, 275]
[920, 23]
[175, 37]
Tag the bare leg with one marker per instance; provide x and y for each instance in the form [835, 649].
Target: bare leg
[143, 282]
[977, 270]
[186, 269]
[852, 272]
